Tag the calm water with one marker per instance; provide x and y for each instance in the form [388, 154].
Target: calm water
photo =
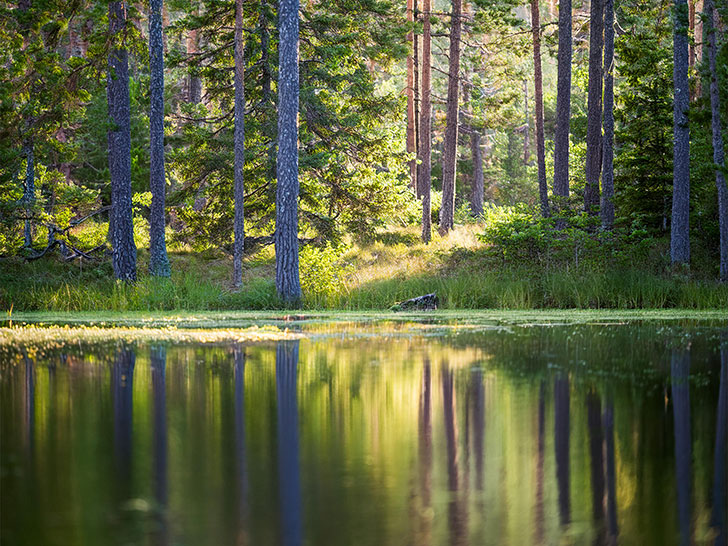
[584, 434]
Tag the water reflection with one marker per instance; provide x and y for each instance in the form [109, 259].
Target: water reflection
[456, 509]
[241, 469]
[289, 481]
[720, 483]
[680, 371]
[158, 357]
[373, 442]
[611, 476]
[561, 445]
[122, 381]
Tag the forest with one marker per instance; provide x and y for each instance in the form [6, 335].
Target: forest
[237, 154]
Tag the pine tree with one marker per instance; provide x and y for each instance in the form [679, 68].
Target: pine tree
[718, 150]
[119, 137]
[563, 104]
[538, 85]
[288, 282]
[680, 227]
[424, 174]
[239, 138]
[607, 204]
[450, 156]
[158, 260]
[594, 108]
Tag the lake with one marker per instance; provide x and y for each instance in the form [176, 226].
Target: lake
[378, 433]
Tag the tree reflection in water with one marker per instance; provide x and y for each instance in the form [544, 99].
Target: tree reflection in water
[288, 470]
[158, 355]
[680, 372]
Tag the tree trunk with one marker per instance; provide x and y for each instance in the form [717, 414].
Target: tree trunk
[680, 228]
[411, 121]
[267, 77]
[424, 173]
[594, 108]
[607, 208]
[477, 190]
[288, 281]
[526, 125]
[29, 192]
[718, 150]
[538, 92]
[239, 137]
[563, 106]
[416, 61]
[158, 260]
[119, 138]
[450, 157]
[194, 84]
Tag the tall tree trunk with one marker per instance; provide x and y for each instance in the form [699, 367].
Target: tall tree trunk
[424, 175]
[691, 26]
[416, 101]
[158, 260]
[288, 282]
[594, 108]
[477, 190]
[29, 191]
[607, 208]
[266, 87]
[718, 150]
[194, 84]
[450, 157]
[411, 143]
[538, 92]
[563, 106]
[680, 228]
[119, 137]
[239, 185]
[526, 126]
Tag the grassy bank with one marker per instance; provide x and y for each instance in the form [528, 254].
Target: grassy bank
[464, 271]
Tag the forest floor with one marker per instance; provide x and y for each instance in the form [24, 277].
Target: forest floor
[389, 267]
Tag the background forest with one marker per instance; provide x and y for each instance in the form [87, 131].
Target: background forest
[520, 218]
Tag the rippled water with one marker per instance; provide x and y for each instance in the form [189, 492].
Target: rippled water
[519, 435]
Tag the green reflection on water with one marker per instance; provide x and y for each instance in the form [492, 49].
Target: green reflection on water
[483, 435]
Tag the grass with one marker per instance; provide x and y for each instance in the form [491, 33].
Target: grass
[392, 267]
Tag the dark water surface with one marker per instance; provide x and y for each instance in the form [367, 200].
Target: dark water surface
[573, 434]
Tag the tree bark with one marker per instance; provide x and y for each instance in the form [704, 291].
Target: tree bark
[288, 281]
[718, 150]
[680, 228]
[158, 260]
[450, 156]
[119, 139]
[194, 84]
[416, 102]
[477, 190]
[526, 125]
[594, 108]
[239, 137]
[563, 105]
[411, 121]
[424, 173]
[29, 192]
[538, 92]
[607, 206]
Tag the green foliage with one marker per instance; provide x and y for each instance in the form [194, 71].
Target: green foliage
[324, 274]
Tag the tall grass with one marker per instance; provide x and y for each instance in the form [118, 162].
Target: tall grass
[376, 275]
